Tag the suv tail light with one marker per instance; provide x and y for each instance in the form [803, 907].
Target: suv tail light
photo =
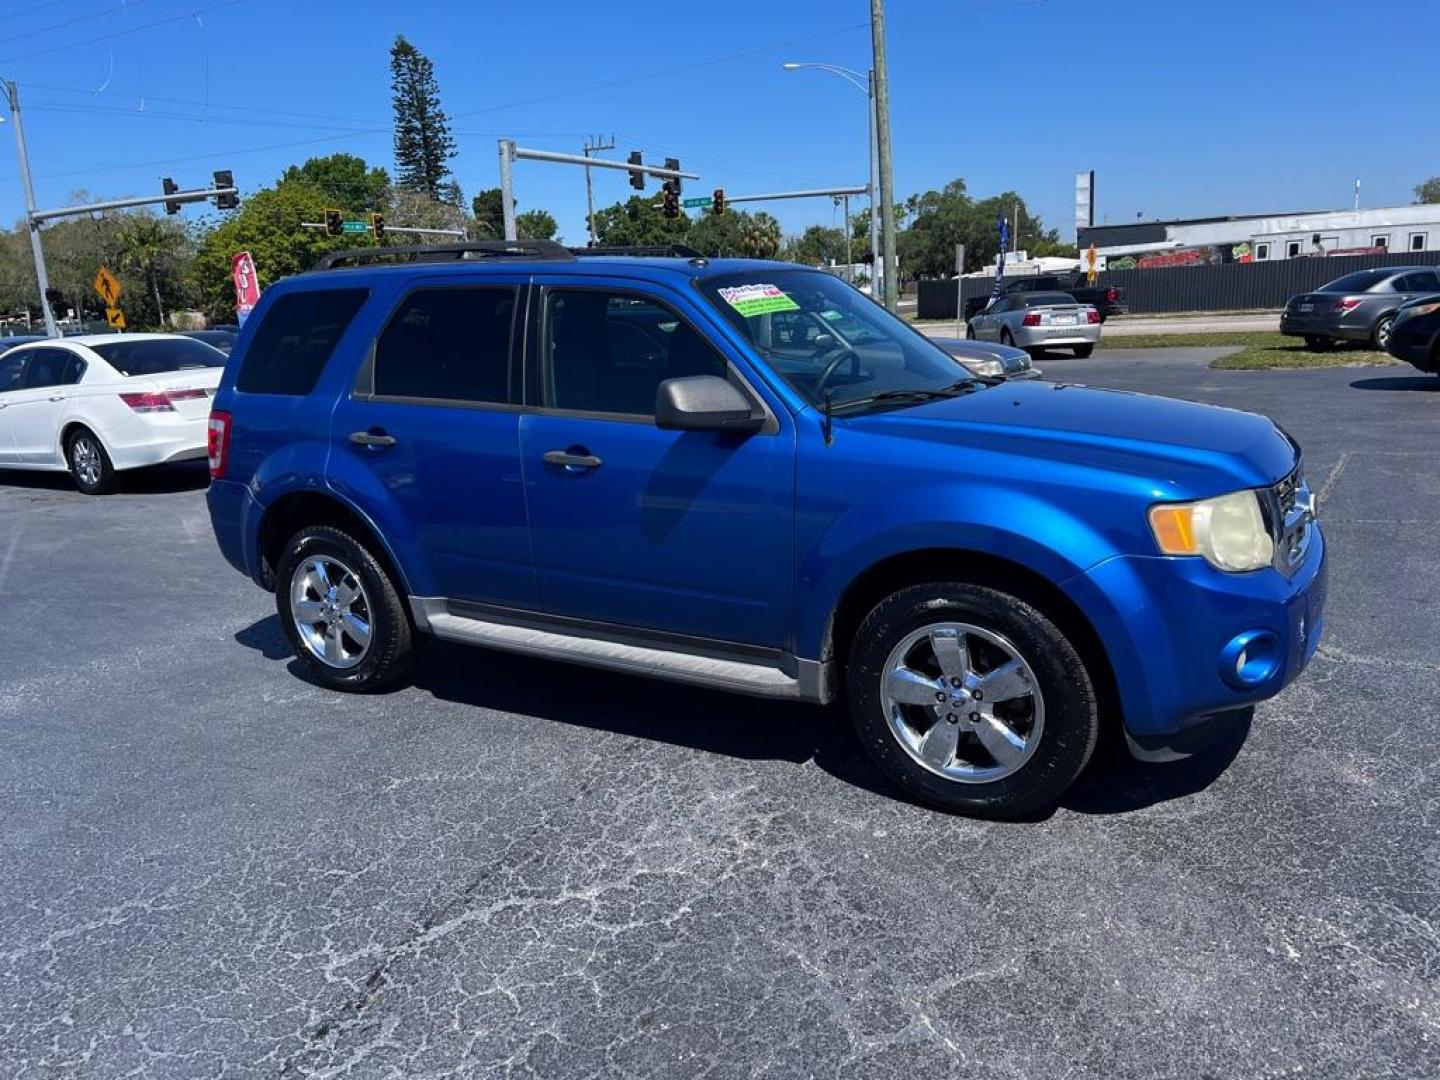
[150, 401]
[1032, 318]
[1347, 304]
[1112, 294]
[1092, 316]
[217, 443]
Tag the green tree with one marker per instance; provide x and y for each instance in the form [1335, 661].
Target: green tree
[818, 246]
[416, 210]
[761, 239]
[423, 144]
[536, 225]
[153, 249]
[1428, 191]
[268, 226]
[346, 181]
[489, 210]
[639, 220]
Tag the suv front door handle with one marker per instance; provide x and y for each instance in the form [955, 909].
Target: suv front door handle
[572, 460]
[373, 437]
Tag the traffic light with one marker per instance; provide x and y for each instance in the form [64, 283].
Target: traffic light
[717, 201]
[637, 179]
[225, 178]
[674, 163]
[170, 188]
[669, 200]
[334, 222]
[377, 226]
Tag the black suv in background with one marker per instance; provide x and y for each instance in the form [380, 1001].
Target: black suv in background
[1357, 307]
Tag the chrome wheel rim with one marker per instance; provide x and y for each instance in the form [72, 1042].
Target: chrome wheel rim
[963, 702]
[85, 460]
[1382, 334]
[331, 611]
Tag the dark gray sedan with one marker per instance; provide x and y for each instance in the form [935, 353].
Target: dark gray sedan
[1357, 307]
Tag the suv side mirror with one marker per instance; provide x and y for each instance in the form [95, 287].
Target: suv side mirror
[704, 403]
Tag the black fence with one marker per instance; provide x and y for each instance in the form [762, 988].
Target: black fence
[1228, 287]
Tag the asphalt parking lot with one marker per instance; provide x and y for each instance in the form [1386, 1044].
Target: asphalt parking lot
[211, 868]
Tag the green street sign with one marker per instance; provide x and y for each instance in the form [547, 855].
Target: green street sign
[354, 226]
[692, 204]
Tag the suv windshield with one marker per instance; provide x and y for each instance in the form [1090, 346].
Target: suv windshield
[1356, 282]
[823, 337]
[158, 356]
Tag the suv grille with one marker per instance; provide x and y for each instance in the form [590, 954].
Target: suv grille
[1291, 510]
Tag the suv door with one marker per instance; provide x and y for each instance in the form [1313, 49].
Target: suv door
[12, 377]
[36, 410]
[427, 441]
[687, 533]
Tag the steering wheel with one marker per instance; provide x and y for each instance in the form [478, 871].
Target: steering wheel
[840, 358]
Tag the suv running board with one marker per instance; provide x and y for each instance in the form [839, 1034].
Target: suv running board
[737, 676]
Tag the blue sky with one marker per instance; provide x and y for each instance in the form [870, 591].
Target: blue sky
[1181, 108]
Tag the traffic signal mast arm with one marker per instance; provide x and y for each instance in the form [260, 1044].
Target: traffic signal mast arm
[197, 195]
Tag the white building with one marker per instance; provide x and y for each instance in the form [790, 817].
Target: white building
[1267, 237]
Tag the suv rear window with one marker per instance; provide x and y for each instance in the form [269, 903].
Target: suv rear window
[295, 339]
[1048, 299]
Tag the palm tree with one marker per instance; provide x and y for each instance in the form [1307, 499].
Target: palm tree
[148, 246]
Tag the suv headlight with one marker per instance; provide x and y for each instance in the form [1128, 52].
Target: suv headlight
[1228, 531]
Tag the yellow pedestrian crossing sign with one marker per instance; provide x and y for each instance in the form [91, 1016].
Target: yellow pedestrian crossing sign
[115, 317]
[108, 286]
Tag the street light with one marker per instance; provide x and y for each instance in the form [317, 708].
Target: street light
[864, 82]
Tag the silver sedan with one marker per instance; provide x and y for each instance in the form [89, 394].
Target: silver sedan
[990, 359]
[1039, 321]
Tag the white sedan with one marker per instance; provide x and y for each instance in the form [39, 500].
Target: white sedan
[98, 404]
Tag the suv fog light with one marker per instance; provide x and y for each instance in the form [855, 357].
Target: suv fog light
[1250, 659]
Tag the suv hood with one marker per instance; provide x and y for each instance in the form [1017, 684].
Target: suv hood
[1208, 449]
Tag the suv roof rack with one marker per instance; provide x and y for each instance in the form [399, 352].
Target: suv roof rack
[641, 251]
[475, 249]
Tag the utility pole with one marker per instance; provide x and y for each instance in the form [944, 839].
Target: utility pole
[12, 94]
[882, 140]
[591, 145]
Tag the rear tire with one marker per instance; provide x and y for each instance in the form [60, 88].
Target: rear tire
[1083, 352]
[342, 613]
[1047, 697]
[90, 465]
[1007, 338]
[1380, 336]
[1318, 342]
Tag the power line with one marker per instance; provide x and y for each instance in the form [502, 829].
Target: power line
[68, 22]
[32, 54]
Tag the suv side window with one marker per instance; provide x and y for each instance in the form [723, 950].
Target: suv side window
[295, 340]
[448, 344]
[52, 367]
[607, 352]
[12, 370]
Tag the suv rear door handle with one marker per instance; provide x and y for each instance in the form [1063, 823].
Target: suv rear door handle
[571, 460]
[373, 437]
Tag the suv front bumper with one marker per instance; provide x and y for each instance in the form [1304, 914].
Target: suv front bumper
[1190, 644]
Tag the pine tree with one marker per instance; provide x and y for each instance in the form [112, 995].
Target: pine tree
[423, 144]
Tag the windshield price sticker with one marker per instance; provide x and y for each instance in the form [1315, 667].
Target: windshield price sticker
[751, 300]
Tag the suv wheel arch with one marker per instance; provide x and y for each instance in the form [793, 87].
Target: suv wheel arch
[300, 509]
[978, 568]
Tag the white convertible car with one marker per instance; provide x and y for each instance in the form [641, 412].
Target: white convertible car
[98, 404]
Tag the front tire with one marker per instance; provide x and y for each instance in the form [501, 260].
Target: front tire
[341, 611]
[971, 700]
[90, 465]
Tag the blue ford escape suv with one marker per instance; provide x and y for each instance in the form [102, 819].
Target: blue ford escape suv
[746, 475]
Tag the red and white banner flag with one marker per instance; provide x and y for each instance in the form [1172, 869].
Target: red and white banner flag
[247, 284]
